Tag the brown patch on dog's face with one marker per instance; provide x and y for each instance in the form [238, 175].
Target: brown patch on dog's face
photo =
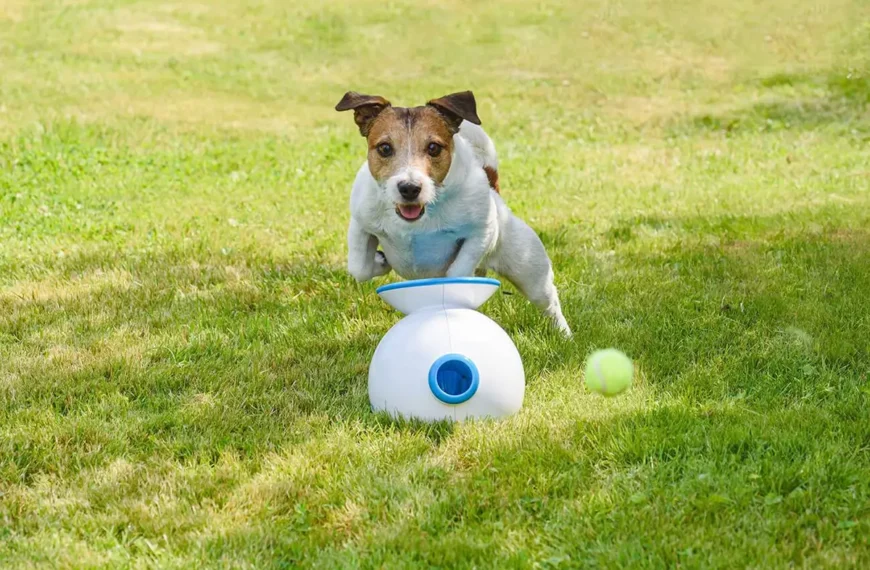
[418, 139]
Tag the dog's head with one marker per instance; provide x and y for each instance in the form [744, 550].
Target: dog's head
[410, 148]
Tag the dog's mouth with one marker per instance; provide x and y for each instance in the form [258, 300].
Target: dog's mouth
[410, 212]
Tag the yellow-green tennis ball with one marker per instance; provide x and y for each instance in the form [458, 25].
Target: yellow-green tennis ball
[608, 372]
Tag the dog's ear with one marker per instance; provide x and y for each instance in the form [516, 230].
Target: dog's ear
[456, 107]
[365, 108]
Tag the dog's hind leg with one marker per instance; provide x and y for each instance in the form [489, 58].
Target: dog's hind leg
[522, 259]
[540, 289]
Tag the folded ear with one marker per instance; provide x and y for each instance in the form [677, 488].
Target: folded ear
[456, 108]
[365, 108]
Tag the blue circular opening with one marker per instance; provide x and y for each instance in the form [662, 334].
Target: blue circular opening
[453, 379]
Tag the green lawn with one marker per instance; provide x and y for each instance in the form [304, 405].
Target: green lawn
[183, 356]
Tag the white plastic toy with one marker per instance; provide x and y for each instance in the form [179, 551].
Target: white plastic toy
[445, 360]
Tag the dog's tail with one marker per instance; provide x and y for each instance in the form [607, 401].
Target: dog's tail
[484, 150]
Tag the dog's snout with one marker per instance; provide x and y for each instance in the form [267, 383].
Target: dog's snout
[409, 190]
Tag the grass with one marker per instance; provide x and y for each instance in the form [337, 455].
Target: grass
[183, 357]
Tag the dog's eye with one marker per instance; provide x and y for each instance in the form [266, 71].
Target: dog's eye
[434, 149]
[385, 149]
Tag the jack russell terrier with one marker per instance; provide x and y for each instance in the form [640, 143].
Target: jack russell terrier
[428, 195]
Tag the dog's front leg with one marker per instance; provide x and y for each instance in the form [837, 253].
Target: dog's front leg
[468, 258]
[364, 261]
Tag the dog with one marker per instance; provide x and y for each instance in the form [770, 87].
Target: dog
[428, 195]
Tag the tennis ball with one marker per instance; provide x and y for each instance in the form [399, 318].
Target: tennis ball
[608, 372]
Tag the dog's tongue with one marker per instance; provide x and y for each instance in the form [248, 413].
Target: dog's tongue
[411, 212]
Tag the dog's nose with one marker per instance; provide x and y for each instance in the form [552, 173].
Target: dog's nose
[409, 190]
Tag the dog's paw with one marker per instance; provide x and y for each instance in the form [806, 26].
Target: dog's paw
[562, 326]
[382, 266]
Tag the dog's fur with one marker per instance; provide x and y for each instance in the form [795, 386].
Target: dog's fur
[428, 195]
